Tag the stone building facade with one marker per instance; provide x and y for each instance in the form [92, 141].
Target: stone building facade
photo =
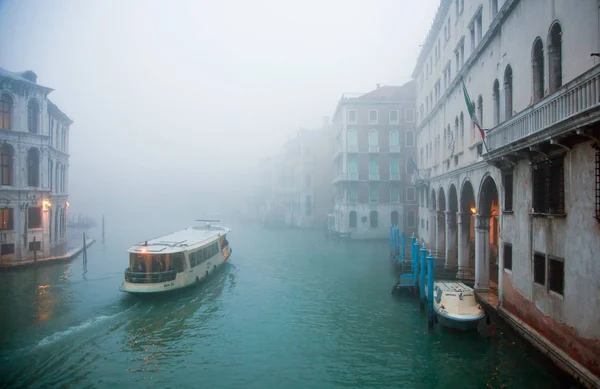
[520, 205]
[374, 144]
[34, 159]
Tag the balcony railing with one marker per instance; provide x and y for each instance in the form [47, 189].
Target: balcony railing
[353, 149]
[395, 176]
[573, 98]
[346, 177]
[149, 278]
[373, 149]
[395, 149]
[373, 176]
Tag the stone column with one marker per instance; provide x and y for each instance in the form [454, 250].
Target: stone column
[463, 243]
[432, 230]
[482, 248]
[451, 260]
[440, 234]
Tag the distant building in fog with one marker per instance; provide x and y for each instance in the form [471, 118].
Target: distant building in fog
[374, 141]
[296, 185]
[34, 159]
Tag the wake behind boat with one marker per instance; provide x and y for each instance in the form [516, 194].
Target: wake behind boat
[177, 260]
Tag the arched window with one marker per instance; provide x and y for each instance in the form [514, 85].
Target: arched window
[394, 218]
[555, 57]
[353, 219]
[508, 93]
[410, 139]
[394, 138]
[6, 103]
[373, 217]
[33, 167]
[457, 133]
[7, 154]
[537, 69]
[33, 116]
[373, 138]
[352, 139]
[496, 101]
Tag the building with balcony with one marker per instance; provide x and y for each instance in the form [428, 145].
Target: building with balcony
[520, 205]
[34, 159]
[374, 139]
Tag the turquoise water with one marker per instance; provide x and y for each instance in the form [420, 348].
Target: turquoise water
[289, 310]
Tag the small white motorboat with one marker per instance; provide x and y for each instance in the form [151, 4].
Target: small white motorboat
[455, 305]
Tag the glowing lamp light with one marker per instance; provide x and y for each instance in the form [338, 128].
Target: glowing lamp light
[67, 204]
[46, 204]
[473, 210]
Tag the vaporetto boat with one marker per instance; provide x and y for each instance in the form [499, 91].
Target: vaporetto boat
[176, 260]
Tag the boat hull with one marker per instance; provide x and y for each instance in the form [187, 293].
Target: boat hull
[187, 278]
[456, 323]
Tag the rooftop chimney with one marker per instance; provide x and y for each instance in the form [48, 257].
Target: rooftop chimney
[29, 75]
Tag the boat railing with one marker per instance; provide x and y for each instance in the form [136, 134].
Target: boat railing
[149, 278]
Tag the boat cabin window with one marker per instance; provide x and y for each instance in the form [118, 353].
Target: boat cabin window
[156, 263]
[202, 255]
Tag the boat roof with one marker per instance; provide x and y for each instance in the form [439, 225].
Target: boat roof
[183, 240]
[453, 286]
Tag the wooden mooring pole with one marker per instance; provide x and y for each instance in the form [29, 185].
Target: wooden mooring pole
[34, 251]
[84, 250]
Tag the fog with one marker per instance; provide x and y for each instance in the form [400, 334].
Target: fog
[174, 103]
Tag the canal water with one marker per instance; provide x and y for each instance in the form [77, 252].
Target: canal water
[289, 310]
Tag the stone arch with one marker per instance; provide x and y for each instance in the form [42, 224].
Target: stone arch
[466, 230]
[555, 56]
[33, 116]
[440, 233]
[488, 234]
[433, 202]
[33, 167]
[7, 165]
[452, 199]
[537, 69]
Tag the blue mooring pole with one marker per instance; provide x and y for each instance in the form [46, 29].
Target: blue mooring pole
[415, 264]
[391, 239]
[396, 232]
[422, 269]
[430, 289]
[403, 247]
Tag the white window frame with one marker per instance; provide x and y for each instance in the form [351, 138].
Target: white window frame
[415, 219]
[397, 116]
[348, 116]
[377, 191]
[414, 194]
[397, 200]
[376, 116]
[406, 111]
[406, 144]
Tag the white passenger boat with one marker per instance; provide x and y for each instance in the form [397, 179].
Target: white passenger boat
[455, 305]
[177, 260]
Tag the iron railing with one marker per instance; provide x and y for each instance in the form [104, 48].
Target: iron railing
[574, 98]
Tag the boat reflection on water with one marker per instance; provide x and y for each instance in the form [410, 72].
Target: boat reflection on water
[169, 325]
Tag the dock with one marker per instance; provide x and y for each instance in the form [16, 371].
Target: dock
[48, 260]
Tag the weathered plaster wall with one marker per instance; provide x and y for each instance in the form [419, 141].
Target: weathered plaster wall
[572, 321]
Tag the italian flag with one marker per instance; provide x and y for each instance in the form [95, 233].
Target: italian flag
[471, 108]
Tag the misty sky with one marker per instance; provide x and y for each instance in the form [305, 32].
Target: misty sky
[170, 98]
